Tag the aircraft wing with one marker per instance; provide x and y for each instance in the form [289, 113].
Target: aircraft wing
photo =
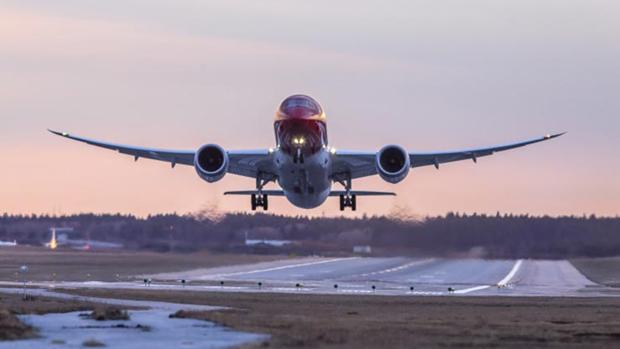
[362, 164]
[241, 162]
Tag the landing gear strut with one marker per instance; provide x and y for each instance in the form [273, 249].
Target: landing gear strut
[298, 158]
[347, 200]
[259, 200]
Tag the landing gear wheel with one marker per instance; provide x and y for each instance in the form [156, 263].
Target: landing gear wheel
[259, 201]
[348, 201]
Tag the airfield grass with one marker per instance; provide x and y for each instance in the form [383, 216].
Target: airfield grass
[72, 265]
[604, 271]
[359, 321]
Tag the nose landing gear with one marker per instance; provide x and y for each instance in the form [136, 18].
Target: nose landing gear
[298, 158]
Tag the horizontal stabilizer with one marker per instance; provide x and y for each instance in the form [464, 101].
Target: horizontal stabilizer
[255, 192]
[362, 193]
[333, 193]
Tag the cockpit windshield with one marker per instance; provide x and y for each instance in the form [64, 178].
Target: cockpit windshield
[300, 101]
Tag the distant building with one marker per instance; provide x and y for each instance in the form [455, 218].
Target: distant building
[266, 242]
[8, 243]
[62, 239]
[365, 249]
[275, 243]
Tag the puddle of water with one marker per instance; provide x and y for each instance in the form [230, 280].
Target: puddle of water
[146, 329]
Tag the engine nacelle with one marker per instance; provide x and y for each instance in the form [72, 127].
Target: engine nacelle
[393, 163]
[211, 162]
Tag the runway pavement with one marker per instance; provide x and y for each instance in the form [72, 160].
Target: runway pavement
[378, 275]
[397, 275]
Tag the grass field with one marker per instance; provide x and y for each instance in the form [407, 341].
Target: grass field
[340, 321]
[71, 265]
[604, 271]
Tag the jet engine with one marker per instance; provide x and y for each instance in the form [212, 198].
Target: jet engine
[393, 163]
[211, 162]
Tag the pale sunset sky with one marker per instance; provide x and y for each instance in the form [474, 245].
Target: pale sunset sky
[426, 75]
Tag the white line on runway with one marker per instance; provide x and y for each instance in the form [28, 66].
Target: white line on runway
[426, 293]
[401, 267]
[512, 273]
[356, 291]
[279, 268]
[502, 282]
[472, 289]
[291, 289]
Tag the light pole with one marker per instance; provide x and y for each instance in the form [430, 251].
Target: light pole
[24, 269]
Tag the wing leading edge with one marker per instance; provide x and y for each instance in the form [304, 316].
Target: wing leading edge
[362, 164]
[184, 157]
[425, 159]
[250, 163]
[246, 163]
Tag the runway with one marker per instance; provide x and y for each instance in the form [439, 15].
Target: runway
[400, 275]
[375, 275]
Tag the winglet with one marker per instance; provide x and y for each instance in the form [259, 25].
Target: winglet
[58, 133]
[550, 136]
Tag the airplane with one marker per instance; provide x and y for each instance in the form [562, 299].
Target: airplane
[302, 162]
[8, 243]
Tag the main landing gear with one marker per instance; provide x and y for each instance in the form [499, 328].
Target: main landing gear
[348, 201]
[259, 200]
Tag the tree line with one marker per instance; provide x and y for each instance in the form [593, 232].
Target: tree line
[453, 234]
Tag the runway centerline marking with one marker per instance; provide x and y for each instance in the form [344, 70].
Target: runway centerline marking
[502, 282]
[280, 268]
[400, 267]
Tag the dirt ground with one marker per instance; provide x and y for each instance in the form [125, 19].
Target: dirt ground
[41, 305]
[71, 265]
[604, 271]
[11, 328]
[341, 321]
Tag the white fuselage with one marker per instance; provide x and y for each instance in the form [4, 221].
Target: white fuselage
[305, 184]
